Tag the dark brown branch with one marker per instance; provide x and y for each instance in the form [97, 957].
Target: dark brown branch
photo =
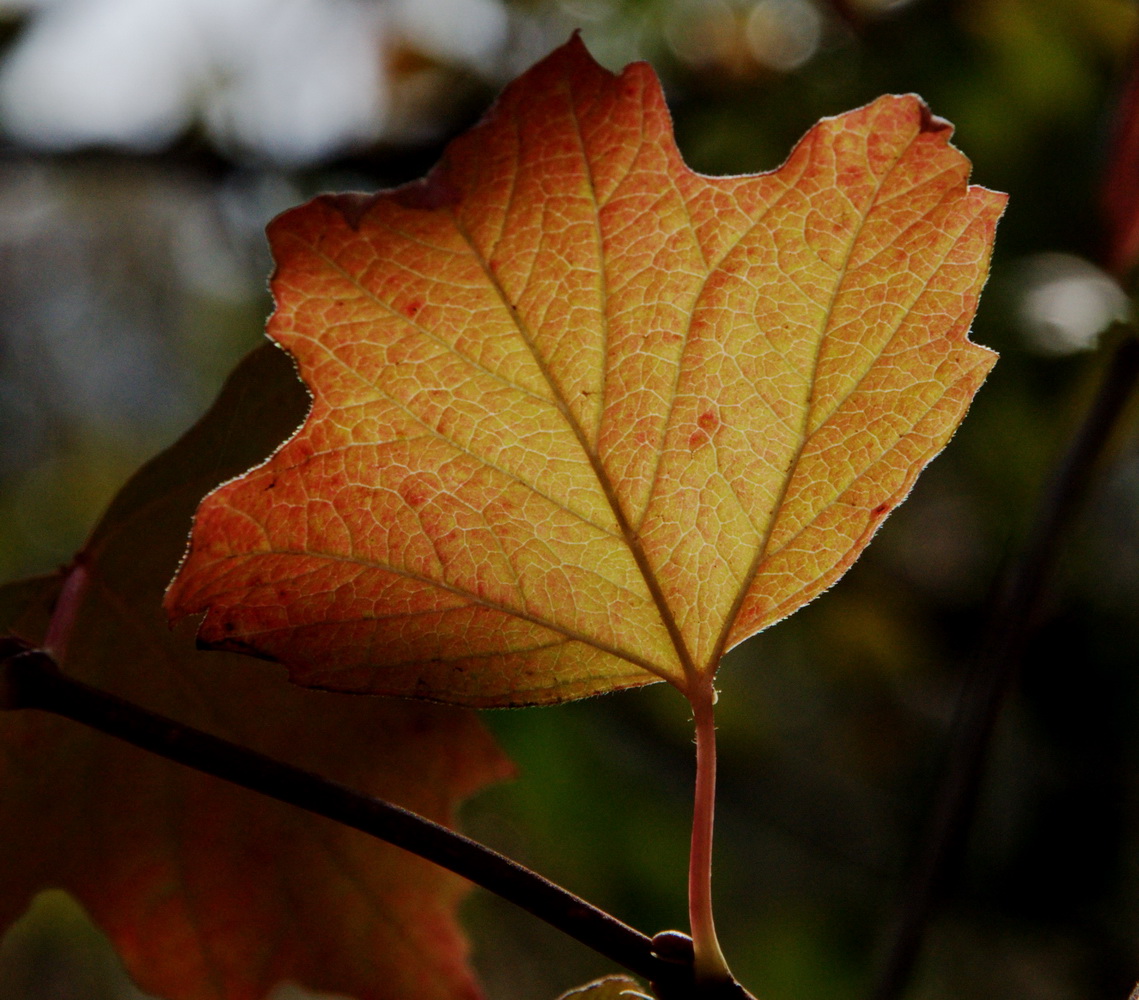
[31, 680]
[1017, 608]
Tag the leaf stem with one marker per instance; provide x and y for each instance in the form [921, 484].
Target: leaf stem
[710, 965]
[31, 679]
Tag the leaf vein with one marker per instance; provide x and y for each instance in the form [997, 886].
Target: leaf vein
[475, 599]
[761, 552]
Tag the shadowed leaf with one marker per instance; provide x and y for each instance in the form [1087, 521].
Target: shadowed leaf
[208, 891]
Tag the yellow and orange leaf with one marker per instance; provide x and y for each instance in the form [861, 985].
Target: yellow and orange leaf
[584, 419]
[209, 891]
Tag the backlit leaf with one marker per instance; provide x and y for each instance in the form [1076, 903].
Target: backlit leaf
[209, 891]
[585, 419]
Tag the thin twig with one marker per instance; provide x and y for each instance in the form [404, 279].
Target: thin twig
[32, 680]
[1017, 608]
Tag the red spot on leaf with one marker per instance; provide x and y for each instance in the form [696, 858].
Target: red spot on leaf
[708, 420]
[880, 510]
[415, 494]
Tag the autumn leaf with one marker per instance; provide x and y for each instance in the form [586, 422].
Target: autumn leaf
[584, 419]
[208, 891]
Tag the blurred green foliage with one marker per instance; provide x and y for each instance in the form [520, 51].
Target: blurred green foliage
[132, 282]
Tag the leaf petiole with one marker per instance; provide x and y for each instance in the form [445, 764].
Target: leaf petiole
[710, 965]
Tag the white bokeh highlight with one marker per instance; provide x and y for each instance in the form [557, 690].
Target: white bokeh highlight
[1066, 302]
[290, 81]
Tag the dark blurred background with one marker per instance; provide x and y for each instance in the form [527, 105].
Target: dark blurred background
[144, 144]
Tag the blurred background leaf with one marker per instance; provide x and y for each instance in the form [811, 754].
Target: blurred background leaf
[145, 143]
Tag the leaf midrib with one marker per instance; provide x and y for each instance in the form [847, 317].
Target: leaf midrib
[558, 402]
[631, 538]
[411, 414]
